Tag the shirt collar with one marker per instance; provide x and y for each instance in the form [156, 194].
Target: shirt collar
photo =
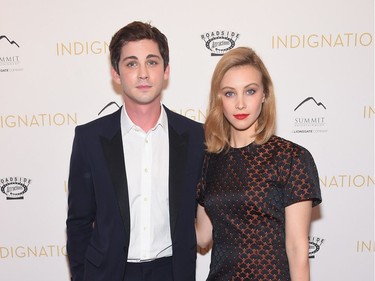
[127, 124]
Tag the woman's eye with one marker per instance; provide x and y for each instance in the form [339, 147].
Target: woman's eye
[228, 94]
[250, 92]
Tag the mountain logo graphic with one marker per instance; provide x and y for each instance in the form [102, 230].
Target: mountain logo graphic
[108, 105]
[308, 99]
[10, 42]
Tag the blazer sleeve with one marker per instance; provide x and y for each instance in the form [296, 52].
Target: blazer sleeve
[81, 206]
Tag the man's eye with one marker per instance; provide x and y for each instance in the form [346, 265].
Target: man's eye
[152, 62]
[131, 64]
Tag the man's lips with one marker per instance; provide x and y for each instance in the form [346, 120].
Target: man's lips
[143, 87]
[240, 116]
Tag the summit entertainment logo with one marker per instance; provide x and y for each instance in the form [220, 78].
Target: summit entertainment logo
[310, 117]
[10, 59]
[220, 41]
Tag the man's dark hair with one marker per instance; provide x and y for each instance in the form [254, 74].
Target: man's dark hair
[136, 31]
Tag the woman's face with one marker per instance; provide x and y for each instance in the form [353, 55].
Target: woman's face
[242, 94]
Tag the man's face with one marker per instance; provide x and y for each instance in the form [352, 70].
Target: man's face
[141, 73]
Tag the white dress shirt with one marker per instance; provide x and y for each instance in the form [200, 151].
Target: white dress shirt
[147, 171]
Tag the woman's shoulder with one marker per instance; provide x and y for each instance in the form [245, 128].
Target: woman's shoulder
[286, 146]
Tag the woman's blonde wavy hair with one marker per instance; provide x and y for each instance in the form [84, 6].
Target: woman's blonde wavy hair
[217, 127]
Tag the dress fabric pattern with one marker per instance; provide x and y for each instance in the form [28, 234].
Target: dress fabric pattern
[245, 192]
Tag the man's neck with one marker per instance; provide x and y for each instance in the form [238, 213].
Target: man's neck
[144, 116]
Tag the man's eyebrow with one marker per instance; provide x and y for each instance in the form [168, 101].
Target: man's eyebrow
[136, 58]
[153, 56]
[130, 58]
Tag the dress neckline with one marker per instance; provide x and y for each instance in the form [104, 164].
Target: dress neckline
[242, 147]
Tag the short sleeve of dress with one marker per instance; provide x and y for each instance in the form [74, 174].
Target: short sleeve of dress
[301, 180]
[201, 187]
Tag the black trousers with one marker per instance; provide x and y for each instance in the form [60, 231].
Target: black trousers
[156, 270]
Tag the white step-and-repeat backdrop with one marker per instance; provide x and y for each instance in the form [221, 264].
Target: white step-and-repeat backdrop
[55, 74]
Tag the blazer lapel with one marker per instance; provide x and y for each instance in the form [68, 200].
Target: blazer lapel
[114, 155]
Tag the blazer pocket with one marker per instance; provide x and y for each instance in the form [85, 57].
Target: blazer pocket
[94, 256]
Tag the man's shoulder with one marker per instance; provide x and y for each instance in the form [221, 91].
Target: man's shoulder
[180, 120]
[101, 123]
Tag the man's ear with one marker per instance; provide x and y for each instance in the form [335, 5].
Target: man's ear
[166, 72]
[115, 76]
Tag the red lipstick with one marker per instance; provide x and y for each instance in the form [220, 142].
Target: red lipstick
[240, 116]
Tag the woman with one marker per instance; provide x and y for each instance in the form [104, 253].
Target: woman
[257, 190]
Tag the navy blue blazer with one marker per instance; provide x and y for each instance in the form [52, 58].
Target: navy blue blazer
[98, 222]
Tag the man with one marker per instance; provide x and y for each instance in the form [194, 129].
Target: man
[133, 175]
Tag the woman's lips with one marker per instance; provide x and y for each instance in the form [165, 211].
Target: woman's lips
[240, 116]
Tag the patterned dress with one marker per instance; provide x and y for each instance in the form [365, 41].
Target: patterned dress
[245, 192]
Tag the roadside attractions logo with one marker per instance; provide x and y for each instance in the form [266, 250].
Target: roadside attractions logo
[14, 187]
[220, 41]
[315, 244]
[310, 117]
[10, 57]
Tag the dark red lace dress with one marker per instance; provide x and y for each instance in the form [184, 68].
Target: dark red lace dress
[245, 192]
